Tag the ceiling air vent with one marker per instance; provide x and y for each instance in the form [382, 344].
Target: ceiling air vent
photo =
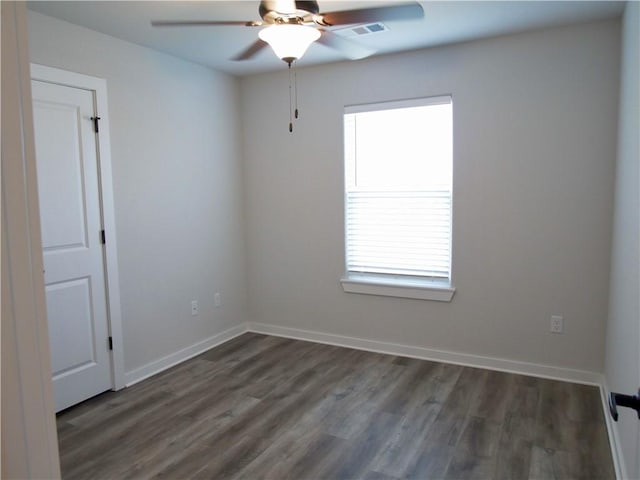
[362, 30]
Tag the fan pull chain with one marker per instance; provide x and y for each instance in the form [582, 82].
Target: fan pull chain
[295, 86]
[290, 102]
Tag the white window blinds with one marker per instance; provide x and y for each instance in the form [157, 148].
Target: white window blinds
[398, 172]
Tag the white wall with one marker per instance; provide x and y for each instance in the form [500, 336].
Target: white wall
[622, 368]
[177, 186]
[535, 138]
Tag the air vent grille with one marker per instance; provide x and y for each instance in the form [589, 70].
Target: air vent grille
[362, 30]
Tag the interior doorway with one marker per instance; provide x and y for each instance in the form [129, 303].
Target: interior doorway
[78, 234]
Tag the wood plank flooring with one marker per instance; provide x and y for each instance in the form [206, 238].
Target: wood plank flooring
[266, 407]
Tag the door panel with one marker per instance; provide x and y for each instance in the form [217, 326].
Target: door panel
[68, 187]
[70, 321]
[64, 224]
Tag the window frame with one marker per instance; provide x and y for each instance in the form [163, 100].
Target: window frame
[403, 286]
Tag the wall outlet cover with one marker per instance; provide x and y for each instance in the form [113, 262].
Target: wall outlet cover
[557, 324]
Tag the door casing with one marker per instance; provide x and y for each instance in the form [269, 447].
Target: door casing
[114, 316]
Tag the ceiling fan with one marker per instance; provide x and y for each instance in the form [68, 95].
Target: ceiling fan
[291, 26]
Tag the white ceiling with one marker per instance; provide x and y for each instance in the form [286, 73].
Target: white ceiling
[443, 22]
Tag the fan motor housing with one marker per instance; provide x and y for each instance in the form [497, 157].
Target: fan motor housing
[274, 11]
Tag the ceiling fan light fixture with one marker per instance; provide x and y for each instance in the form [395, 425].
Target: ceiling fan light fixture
[289, 42]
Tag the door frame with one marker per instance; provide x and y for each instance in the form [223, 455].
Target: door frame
[114, 317]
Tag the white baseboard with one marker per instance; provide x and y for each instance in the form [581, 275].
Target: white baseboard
[157, 366]
[490, 363]
[477, 361]
[614, 438]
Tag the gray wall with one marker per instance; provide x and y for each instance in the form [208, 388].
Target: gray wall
[177, 186]
[535, 120]
[535, 126]
[622, 366]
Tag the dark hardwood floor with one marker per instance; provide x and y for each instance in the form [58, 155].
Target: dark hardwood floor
[268, 407]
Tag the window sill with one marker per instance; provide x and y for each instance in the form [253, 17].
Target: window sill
[421, 290]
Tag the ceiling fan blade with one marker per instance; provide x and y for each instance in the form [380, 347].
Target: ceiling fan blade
[350, 49]
[204, 23]
[405, 11]
[251, 50]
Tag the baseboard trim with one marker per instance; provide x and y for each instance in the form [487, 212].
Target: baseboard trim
[468, 360]
[157, 366]
[477, 361]
[490, 363]
[614, 439]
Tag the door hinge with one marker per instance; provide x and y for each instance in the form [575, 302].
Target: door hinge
[95, 124]
[103, 237]
[619, 400]
[110, 343]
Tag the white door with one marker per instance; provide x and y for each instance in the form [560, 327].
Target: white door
[69, 196]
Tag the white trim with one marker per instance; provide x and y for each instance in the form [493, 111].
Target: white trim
[397, 104]
[66, 78]
[614, 438]
[99, 87]
[157, 366]
[426, 291]
[477, 361]
[498, 364]
[29, 439]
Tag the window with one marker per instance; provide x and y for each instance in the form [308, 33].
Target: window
[398, 177]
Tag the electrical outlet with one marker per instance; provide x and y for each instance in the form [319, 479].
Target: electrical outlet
[194, 307]
[217, 301]
[557, 324]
